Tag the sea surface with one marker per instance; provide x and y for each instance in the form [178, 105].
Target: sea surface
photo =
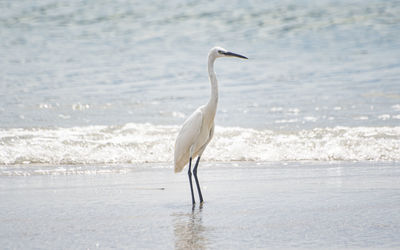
[110, 82]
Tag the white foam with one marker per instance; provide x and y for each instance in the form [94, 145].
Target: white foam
[45, 106]
[361, 118]
[80, 107]
[286, 121]
[294, 111]
[276, 109]
[396, 107]
[310, 118]
[140, 143]
[384, 117]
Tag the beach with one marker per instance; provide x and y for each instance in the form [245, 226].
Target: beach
[247, 205]
[306, 146]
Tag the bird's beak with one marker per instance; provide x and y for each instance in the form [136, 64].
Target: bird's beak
[234, 54]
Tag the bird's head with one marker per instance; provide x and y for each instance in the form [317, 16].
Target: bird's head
[217, 52]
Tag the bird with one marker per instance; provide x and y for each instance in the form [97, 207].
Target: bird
[198, 129]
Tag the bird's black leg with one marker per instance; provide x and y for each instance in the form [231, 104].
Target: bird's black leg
[197, 181]
[190, 180]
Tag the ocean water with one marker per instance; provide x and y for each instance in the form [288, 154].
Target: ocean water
[100, 82]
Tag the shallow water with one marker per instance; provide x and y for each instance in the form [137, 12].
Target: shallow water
[66, 68]
[290, 205]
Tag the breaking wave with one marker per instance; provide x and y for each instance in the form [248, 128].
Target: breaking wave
[143, 143]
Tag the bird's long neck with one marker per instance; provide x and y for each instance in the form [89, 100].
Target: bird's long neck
[212, 103]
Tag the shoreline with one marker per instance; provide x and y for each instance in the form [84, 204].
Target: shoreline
[247, 205]
[37, 169]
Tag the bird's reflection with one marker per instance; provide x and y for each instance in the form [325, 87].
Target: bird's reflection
[189, 230]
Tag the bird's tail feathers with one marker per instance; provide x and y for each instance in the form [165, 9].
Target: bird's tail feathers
[179, 166]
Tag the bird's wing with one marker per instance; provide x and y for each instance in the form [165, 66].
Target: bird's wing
[187, 136]
[210, 136]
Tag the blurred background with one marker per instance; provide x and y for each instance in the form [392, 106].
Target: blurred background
[92, 81]
[92, 62]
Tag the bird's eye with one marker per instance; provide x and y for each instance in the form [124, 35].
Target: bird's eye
[220, 51]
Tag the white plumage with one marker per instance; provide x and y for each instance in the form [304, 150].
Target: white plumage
[198, 129]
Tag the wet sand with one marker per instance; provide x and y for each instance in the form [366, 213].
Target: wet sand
[247, 205]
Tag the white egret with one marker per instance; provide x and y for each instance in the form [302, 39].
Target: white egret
[198, 129]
